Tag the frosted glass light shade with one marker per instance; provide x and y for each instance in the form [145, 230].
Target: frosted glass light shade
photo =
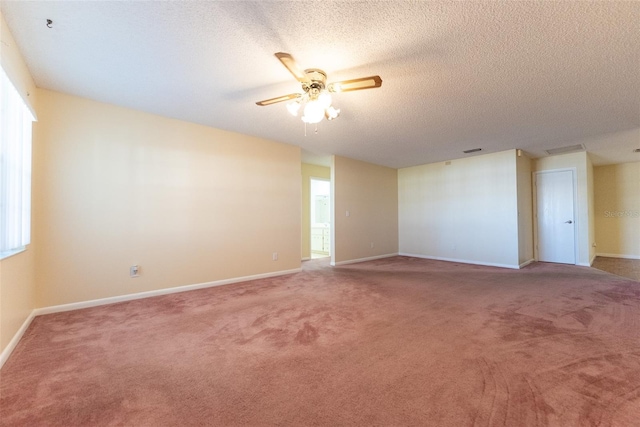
[313, 112]
[293, 107]
[325, 99]
[331, 113]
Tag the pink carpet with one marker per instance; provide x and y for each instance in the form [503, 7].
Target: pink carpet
[398, 341]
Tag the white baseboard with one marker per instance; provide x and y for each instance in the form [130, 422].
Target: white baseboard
[129, 297]
[619, 256]
[4, 356]
[354, 261]
[306, 258]
[463, 261]
[157, 292]
[524, 264]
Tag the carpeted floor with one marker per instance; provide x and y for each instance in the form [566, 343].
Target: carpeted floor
[398, 341]
[629, 268]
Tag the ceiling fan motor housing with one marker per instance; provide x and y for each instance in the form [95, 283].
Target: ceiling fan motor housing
[318, 80]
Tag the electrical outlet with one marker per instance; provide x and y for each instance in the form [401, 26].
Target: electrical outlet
[275, 256]
[134, 271]
[372, 245]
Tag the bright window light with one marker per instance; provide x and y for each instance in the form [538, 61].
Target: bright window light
[15, 169]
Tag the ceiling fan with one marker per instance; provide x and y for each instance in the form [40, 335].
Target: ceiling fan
[316, 96]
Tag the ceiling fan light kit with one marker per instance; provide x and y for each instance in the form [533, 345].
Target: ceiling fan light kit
[315, 101]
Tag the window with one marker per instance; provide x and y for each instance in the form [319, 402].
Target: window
[15, 169]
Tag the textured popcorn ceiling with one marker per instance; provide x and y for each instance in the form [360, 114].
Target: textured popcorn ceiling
[456, 75]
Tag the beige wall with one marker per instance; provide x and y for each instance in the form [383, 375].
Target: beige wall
[308, 172]
[17, 283]
[525, 210]
[585, 236]
[15, 67]
[17, 275]
[617, 210]
[370, 194]
[188, 203]
[465, 211]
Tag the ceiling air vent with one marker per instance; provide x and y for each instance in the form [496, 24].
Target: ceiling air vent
[473, 150]
[567, 149]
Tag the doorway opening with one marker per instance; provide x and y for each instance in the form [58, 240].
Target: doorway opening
[320, 209]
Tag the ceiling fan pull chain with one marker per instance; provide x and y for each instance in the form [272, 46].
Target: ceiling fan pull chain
[316, 132]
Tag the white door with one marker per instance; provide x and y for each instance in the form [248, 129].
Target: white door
[556, 222]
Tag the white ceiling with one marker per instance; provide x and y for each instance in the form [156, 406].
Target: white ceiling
[456, 75]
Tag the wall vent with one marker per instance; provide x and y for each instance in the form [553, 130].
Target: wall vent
[567, 149]
[473, 150]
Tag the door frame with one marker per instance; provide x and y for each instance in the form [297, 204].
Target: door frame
[576, 235]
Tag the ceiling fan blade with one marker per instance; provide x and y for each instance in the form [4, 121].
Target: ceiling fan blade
[291, 64]
[355, 84]
[278, 99]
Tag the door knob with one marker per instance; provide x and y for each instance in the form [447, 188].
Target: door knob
[568, 222]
